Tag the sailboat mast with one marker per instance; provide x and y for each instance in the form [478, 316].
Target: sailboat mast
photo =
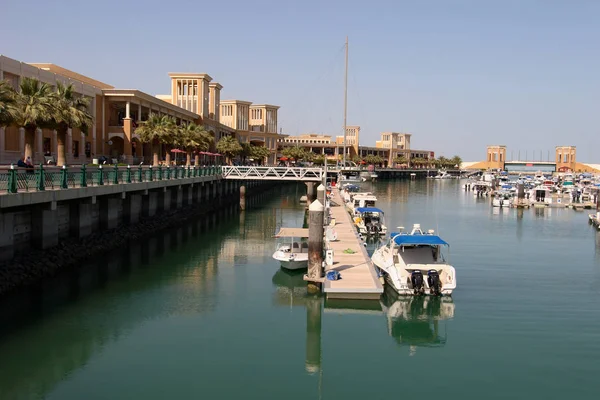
[345, 101]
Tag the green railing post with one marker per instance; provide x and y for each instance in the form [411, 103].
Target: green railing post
[116, 176]
[83, 178]
[41, 179]
[189, 172]
[168, 173]
[140, 177]
[160, 175]
[100, 176]
[151, 177]
[194, 171]
[12, 179]
[128, 173]
[64, 183]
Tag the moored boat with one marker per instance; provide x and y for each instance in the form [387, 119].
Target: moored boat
[370, 221]
[292, 250]
[413, 263]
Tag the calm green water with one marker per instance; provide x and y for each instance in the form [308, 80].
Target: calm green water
[204, 312]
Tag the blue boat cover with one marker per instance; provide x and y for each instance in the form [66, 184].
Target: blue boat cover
[418, 239]
[368, 209]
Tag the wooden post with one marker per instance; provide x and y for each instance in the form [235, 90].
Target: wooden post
[315, 244]
[242, 197]
[520, 195]
[598, 199]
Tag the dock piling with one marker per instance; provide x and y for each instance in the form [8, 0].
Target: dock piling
[242, 197]
[315, 245]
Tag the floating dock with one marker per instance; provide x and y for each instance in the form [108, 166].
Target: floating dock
[358, 278]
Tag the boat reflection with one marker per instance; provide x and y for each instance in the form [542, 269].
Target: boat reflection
[414, 321]
[290, 287]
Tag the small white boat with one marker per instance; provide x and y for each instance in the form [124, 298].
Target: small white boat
[361, 200]
[369, 221]
[502, 199]
[292, 251]
[413, 263]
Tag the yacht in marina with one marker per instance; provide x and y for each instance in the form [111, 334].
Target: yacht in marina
[365, 199]
[292, 250]
[413, 263]
[503, 199]
[369, 221]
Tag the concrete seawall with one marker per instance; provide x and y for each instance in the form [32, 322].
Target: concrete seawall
[42, 232]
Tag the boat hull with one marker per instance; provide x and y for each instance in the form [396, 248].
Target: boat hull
[291, 261]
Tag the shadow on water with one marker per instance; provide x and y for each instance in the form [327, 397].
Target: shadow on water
[45, 334]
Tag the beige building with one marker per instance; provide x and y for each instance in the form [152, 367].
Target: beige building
[117, 113]
[391, 145]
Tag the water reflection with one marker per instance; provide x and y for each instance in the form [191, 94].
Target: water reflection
[290, 288]
[415, 321]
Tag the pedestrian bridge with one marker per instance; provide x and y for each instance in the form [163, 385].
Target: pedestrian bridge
[273, 173]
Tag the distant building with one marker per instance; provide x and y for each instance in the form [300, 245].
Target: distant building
[565, 160]
[391, 146]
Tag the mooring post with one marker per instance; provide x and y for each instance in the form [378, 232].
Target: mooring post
[520, 194]
[321, 194]
[315, 245]
[598, 199]
[242, 197]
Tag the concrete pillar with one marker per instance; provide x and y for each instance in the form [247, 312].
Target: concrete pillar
[7, 228]
[312, 363]
[310, 192]
[315, 244]
[109, 212]
[176, 196]
[150, 203]
[598, 200]
[162, 200]
[132, 208]
[188, 194]
[44, 226]
[80, 218]
[242, 198]
[2, 145]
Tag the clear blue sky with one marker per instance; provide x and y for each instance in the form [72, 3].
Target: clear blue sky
[457, 74]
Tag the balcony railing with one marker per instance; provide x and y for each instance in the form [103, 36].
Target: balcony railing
[15, 180]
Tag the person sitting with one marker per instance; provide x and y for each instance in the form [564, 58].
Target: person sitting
[21, 163]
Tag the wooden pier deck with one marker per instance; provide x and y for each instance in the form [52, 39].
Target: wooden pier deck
[357, 272]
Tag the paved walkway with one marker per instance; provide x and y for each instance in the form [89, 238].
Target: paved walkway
[358, 277]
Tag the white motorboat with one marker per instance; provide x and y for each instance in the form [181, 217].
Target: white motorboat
[503, 199]
[369, 221]
[443, 174]
[413, 263]
[540, 196]
[292, 250]
[357, 200]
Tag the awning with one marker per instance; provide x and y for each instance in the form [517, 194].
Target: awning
[400, 239]
[368, 209]
[292, 232]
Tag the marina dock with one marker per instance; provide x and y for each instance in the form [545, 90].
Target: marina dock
[358, 276]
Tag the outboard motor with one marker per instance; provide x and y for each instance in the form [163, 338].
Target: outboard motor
[373, 228]
[416, 278]
[435, 284]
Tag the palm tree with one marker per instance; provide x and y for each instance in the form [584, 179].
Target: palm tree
[157, 129]
[70, 111]
[295, 152]
[34, 110]
[8, 104]
[456, 161]
[259, 153]
[190, 137]
[229, 147]
[400, 160]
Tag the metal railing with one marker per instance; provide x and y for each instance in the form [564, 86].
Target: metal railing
[273, 173]
[15, 180]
